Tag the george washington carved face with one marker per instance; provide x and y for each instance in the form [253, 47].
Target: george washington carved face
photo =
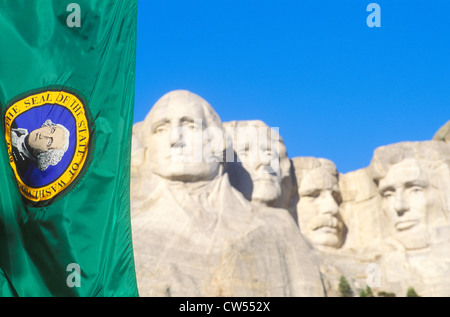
[181, 124]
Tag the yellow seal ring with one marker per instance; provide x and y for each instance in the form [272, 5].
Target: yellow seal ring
[76, 107]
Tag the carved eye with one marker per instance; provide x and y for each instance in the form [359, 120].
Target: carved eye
[52, 130]
[313, 194]
[243, 151]
[189, 125]
[160, 129]
[388, 193]
[416, 189]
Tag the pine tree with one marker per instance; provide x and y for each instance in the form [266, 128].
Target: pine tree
[344, 287]
[386, 294]
[366, 292]
[411, 292]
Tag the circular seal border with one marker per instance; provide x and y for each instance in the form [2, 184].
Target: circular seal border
[76, 107]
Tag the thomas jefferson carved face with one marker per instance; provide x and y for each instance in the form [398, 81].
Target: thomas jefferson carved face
[261, 164]
[261, 157]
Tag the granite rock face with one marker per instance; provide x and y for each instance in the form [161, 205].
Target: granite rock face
[193, 233]
[260, 167]
[413, 182]
[219, 209]
[443, 134]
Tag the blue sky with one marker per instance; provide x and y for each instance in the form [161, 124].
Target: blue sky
[336, 88]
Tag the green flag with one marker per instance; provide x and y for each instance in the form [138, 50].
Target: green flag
[67, 70]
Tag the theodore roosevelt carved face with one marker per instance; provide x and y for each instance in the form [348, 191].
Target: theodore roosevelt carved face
[318, 210]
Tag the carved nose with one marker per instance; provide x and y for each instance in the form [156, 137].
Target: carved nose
[176, 136]
[329, 205]
[265, 162]
[265, 157]
[401, 206]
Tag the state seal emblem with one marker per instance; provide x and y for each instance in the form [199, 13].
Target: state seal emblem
[47, 134]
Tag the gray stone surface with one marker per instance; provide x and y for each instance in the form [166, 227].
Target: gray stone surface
[196, 235]
[219, 209]
[443, 134]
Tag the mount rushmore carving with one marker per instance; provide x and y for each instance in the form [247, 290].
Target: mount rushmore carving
[219, 209]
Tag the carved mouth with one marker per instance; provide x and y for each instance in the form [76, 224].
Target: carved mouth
[327, 225]
[327, 229]
[176, 152]
[406, 224]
